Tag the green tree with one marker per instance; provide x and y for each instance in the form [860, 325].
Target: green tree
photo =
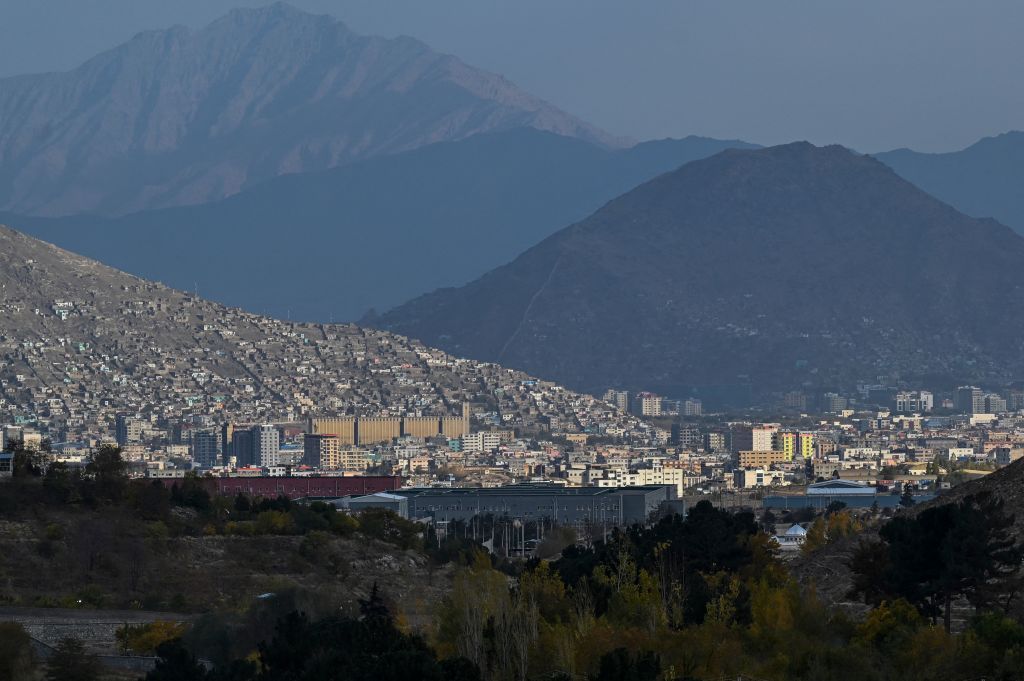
[960, 549]
[108, 474]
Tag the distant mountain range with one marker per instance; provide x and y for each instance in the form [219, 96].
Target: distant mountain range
[178, 117]
[984, 180]
[788, 267]
[375, 233]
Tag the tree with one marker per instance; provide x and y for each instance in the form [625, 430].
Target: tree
[17, 662]
[621, 665]
[177, 664]
[960, 549]
[108, 474]
[907, 500]
[72, 662]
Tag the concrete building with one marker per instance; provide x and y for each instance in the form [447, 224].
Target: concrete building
[754, 438]
[759, 459]
[484, 441]
[206, 448]
[320, 451]
[266, 445]
[343, 428]
[918, 402]
[970, 400]
[128, 430]
[578, 507]
[242, 448]
[691, 407]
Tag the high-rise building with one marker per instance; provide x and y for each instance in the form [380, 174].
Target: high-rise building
[805, 445]
[918, 402]
[128, 430]
[1015, 400]
[795, 400]
[691, 407]
[786, 442]
[206, 448]
[242, 448]
[321, 451]
[970, 400]
[620, 398]
[754, 438]
[833, 403]
[266, 445]
[227, 432]
[994, 404]
[647, 404]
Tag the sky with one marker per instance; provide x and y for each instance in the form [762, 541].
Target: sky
[932, 75]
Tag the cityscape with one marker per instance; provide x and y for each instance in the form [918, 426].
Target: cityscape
[568, 342]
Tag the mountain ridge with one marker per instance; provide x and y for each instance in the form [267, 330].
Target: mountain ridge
[467, 206]
[255, 94]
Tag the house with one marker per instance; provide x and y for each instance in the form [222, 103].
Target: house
[792, 539]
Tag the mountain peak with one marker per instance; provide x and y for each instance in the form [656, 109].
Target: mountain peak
[788, 266]
[183, 117]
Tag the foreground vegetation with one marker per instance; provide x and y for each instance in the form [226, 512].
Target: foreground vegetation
[699, 598]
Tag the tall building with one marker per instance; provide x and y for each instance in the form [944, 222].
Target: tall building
[620, 398]
[321, 451]
[227, 433]
[647, 404]
[970, 400]
[691, 407]
[833, 403]
[786, 443]
[266, 445]
[206, 448]
[1015, 400]
[994, 404]
[242, 448]
[919, 402]
[805, 445]
[754, 438]
[128, 430]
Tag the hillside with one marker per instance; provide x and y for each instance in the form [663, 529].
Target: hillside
[767, 269]
[342, 243]
[179, 116]
[983, 180]
[829, 568]
[80, 342]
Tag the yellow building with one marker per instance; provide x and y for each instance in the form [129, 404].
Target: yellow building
[805, 445]
[786, 443]
[421, 426]
[378, 429]
[344, 428]
[453, 427]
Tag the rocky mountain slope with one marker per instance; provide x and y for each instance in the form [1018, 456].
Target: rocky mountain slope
[775, 268]
[984, 180]
[179, 116]
[373, 233]
[80, 342]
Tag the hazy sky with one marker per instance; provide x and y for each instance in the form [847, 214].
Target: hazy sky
[871, 74]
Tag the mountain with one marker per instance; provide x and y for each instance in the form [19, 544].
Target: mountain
[983, 180]
[81, 342]
[766, 269]
[179, 116]
[330, 245]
